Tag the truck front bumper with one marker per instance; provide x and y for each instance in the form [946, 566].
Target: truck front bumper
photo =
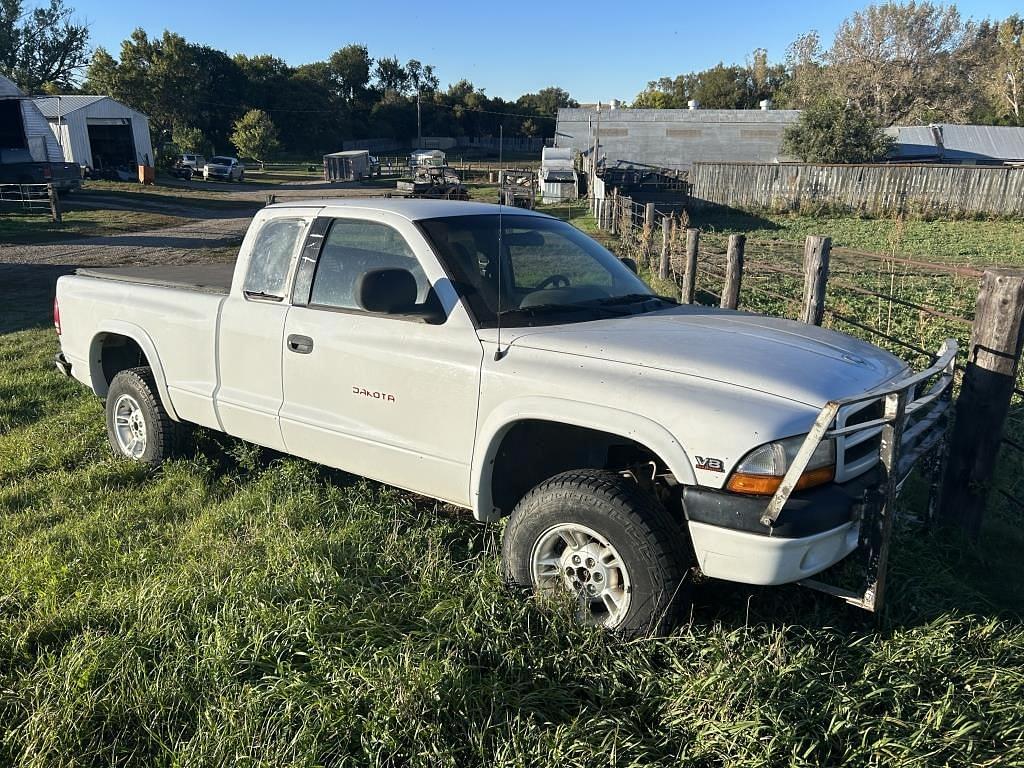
[816, 529]
[750, 558]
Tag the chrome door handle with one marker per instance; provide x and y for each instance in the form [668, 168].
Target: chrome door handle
[303, 345]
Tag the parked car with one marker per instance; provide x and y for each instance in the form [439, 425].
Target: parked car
[224, 168]
[195, 162]
[500, 360]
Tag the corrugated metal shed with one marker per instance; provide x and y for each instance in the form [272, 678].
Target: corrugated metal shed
[70, 117]
[8, 89]
[42, 145]
[53, 106]
[676, 138]
[949, 143]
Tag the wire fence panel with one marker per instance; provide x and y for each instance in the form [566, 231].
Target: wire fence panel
[905, 305]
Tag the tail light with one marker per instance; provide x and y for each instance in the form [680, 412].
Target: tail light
[47, 171]
[56, 315]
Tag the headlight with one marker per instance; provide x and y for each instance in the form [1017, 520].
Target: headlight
[761, 471]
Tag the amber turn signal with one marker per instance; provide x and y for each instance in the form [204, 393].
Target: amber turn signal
[766, 485]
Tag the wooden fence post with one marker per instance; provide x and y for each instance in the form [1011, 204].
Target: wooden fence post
[733, 272]
[649, 217]
[817, 250]
[615, 211]
[666, 223]
[55, 212]
[989, 379]
[690, 268]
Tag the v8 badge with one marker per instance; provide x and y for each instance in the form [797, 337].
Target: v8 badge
[709, 464]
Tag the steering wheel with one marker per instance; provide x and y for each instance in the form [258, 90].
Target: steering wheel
[555, 281]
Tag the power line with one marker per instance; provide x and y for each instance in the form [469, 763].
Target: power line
[449, 107]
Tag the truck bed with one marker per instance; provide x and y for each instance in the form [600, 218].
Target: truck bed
[204, 278]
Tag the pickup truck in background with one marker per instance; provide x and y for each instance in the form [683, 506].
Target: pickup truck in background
[18, 167]
[501, 360]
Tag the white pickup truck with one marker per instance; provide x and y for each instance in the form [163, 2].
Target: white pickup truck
[503, 361]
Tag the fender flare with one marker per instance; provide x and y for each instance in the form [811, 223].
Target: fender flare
[139, 336]
[561, 411]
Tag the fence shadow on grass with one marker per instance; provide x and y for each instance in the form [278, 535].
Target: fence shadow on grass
[711, 218]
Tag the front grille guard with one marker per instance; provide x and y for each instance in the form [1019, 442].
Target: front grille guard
[913, 426]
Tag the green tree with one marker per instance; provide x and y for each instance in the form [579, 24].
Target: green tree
[391, 76]
[905, 62]
[255, 135]
[1006, 69]
[189, 139]
[349, 70]
[547, 101]
[174, 82]
[43, 48]
[833, 132]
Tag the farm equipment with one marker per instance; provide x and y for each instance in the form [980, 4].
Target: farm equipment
[517, 187]
[433, 182]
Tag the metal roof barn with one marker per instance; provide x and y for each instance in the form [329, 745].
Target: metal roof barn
[97, 131]
[347, 166]
[676, 138]
[24, 133]
[966, 144]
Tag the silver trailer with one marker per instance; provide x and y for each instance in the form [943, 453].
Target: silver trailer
[347, 166]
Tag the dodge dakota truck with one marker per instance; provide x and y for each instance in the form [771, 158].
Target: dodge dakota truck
[503, 361]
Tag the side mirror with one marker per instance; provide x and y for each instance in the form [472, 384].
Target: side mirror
[630, 264]
[393, 291]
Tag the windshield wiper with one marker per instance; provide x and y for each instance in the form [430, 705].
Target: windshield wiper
[634, 298]
[549, 309]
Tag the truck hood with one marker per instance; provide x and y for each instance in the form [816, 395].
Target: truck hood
[779, 357]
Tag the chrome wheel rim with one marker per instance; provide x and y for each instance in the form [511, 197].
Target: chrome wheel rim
[577, 558]
[129, 426]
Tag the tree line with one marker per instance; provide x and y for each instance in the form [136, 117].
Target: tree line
[889, 64]
[201, 99]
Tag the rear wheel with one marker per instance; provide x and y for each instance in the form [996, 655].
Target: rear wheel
[138, 426]
[598, 537]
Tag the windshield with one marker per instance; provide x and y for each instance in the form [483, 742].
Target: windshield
[221, 160]
[550, 272]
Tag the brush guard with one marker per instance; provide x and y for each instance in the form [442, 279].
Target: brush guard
[912, 429]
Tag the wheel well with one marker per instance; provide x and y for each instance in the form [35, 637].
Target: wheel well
[115, 353]
[533, 450]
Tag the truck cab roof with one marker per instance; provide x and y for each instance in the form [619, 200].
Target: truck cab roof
[411, 209]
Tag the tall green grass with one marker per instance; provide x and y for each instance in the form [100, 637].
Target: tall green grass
[243, 608]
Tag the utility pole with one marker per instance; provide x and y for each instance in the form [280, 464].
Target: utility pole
[419, 125]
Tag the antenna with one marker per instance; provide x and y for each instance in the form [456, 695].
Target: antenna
[498, 354]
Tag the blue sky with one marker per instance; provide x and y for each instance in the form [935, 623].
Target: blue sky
[506, 48]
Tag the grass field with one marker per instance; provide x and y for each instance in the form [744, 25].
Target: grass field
[242, 608]
[963, 241]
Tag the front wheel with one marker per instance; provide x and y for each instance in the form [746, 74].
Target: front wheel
[138, 425]
[597, 536]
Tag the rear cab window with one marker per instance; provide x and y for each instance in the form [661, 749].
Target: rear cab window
[270, 259]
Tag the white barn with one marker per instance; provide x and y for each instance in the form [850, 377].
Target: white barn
[97, 131]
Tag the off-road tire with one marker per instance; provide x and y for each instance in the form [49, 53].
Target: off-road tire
[649, 542]
[163, 435]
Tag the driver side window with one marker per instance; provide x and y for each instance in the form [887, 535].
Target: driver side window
[352, 248]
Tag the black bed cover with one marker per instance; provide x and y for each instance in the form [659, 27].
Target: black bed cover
[205, 278]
